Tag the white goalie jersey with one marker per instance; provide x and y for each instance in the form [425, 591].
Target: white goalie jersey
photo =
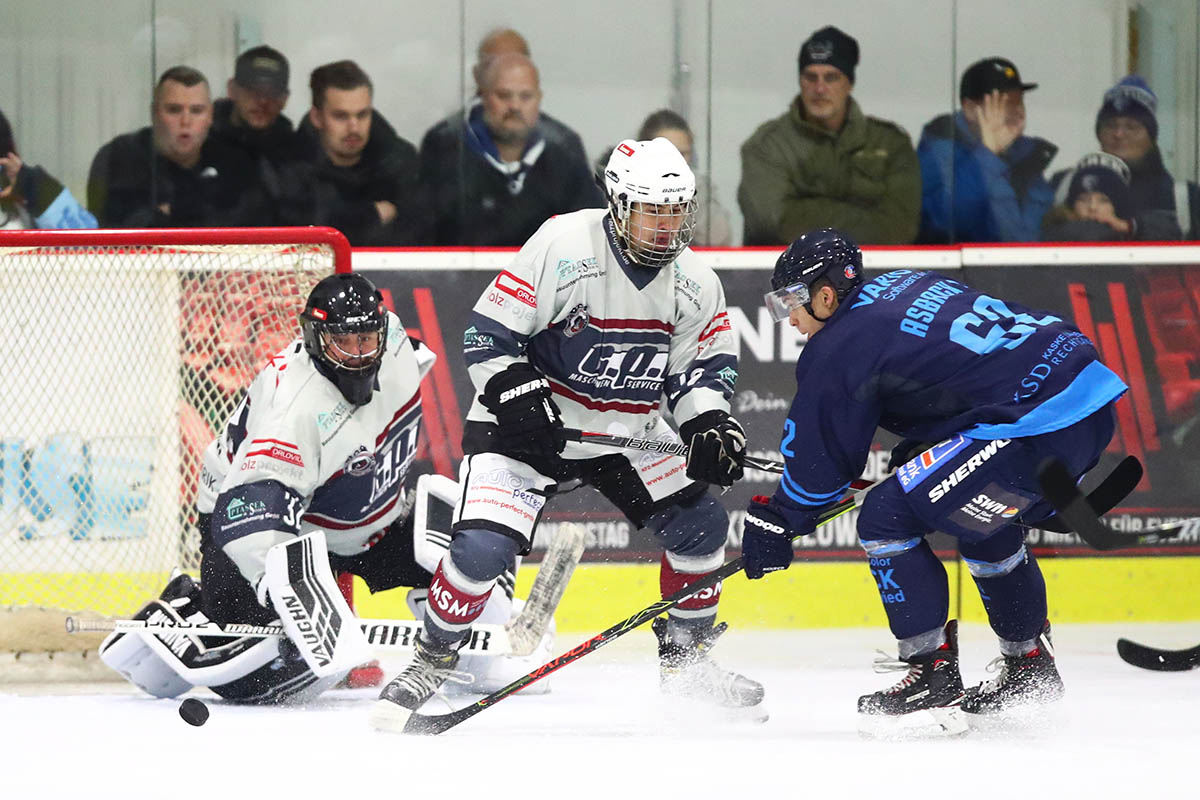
[296, 456]
[611, 337]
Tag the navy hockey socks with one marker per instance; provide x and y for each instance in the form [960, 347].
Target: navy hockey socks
[912, 585]
[1014, 593]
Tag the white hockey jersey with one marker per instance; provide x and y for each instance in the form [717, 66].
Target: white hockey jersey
[611, 337]
[296, 456]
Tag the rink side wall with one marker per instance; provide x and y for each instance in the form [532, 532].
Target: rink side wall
[1139, 303]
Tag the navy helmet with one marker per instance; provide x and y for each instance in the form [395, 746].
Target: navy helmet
[339, 306]
[824, 253]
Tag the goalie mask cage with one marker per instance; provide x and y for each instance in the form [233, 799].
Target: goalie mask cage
[123, 353]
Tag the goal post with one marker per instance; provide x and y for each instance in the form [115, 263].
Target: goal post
[122, 353]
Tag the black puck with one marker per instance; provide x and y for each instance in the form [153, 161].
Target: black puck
[193, 711]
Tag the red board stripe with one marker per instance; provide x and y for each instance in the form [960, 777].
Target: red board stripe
[1133, 363]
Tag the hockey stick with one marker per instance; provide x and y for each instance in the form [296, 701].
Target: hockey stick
[655, 446]
[527, 628]
[1113, 489]
[1058, 485]
[432, 724]
[382, 634]
[1147, 657]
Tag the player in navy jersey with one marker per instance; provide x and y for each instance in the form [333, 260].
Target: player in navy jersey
[603, 314]
[1000, 388]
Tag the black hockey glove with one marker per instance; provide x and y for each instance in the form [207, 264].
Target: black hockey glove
[716, 448]
[906, 451]
[766, 539]
[529, 421]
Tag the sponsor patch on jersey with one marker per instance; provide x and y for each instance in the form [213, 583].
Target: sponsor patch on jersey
[280, 451]
[515, 287]
[918, 469]
[576, 321]
[990, 509]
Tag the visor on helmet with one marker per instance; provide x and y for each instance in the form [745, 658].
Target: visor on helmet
[781, 302]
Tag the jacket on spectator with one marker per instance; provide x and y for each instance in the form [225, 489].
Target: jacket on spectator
[130, 185]
[40, 201]
[318, 192]
[797, 176]
[995, 199]
[276, 143]
[477, 200]
[1156, 195]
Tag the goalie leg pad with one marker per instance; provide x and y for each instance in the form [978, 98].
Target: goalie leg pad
[311, 608]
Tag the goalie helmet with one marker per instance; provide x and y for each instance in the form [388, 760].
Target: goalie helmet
[345, 332]
[824, 253]
[651, 194]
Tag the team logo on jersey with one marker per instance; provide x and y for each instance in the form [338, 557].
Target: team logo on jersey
[576, 321]
[361, 461]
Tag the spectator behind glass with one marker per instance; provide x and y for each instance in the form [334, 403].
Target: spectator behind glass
[712, 221]
[251, 117]
[1127, 127]
[30, 197]
[492, 173]
[171, 174]
[981, 176]
[825, 163]
[353, 172]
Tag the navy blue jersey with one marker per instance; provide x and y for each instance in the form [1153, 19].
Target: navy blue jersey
[926, 357]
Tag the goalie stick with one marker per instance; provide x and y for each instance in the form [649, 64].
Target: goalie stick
[1112, 490]
[1059, 487]
[562, 556]
[432, 724]
[1146, 657]
[382, 634]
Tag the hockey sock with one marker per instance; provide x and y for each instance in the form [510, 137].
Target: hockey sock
[912, 585]
[1013, 593]
[693, 617]
[463, 582]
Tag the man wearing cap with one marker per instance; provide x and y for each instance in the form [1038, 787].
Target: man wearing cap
[1127, 127]
[825, 163]
[252, 116]
[982, 177]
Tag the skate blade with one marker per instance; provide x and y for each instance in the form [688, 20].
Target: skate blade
[1019, 719]
[388, 717]
[682, 710]
[924, 724]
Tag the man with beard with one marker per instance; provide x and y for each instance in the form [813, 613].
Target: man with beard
[491, 174]
[353, 172]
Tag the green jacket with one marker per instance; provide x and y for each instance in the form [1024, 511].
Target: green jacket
[864, 180]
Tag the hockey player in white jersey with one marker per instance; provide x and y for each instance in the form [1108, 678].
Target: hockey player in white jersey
[605, 321]
[308, 475]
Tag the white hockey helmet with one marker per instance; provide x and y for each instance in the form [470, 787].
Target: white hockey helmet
[651, 192]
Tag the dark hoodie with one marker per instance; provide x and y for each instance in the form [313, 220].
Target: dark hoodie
[317, 192]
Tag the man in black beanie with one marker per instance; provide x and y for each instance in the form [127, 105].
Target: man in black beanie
[825, 163]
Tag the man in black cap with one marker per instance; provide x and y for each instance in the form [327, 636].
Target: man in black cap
[826, 164]
[252, 116]
[981, 176]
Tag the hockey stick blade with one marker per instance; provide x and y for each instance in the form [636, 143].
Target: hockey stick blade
[1058, 485]
[1146, 657]
[433, 724]
[526, 629]
[1113, 489]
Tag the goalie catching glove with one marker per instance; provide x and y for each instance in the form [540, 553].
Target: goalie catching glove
[529, 421]
[716, 448]
[766, 539]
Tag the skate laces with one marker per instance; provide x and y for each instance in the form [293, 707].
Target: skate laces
[886, 662]
[999, 665]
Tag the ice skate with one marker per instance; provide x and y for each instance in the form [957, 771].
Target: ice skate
[689, 672]
[926, 700]
[1028, 680]
[408, 691]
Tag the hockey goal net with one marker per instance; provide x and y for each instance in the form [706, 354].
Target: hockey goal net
[123, 353]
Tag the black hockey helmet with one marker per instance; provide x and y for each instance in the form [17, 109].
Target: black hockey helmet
[339, 308]
[823, 253]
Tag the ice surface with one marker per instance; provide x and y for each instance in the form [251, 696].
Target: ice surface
[604, 730]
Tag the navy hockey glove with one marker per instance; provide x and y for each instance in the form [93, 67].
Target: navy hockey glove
[716, 448]
[529, 421]
[766, 539]
[906, 451]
